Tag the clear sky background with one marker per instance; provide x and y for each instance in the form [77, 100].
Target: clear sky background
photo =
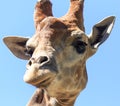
[103, 88]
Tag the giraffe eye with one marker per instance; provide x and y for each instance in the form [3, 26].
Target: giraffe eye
[29, 51]
[80, 46]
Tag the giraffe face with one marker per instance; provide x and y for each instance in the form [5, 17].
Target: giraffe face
[52, 50]
[58, 53]
[58, 50]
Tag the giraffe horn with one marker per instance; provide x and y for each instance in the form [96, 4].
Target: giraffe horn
[75, 13]
[43, 9]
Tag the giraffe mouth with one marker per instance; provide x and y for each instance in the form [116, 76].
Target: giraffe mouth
[41, 80]
[40, 76]
[42, 83]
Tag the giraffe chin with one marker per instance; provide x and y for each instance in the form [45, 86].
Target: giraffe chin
[40, 78]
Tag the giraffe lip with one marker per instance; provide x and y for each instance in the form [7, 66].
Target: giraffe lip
[39, 76]
[41, 81]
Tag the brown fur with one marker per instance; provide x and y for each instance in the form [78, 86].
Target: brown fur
[57, 53]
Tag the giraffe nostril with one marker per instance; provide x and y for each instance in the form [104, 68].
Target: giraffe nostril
[30, 62]
[43, 59]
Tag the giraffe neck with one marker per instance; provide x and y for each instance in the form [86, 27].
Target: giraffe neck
[40, 98]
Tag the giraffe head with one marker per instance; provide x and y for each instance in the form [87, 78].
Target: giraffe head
[58, 50]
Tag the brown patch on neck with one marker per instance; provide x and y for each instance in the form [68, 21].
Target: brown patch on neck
[37, 98]
[69, 101]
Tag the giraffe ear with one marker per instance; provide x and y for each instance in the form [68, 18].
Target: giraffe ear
[17, 46]
[101, 31]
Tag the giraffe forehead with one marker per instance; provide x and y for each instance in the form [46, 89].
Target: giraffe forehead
[52, 22]
[54, 28]
[51, 29]
[49, 37]
[55, 31]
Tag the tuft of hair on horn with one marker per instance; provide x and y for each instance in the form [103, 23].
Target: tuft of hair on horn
[43, 0]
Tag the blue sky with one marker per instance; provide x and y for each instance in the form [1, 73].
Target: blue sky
[103, 88]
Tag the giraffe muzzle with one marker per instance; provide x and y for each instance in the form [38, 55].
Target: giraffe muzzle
[40, 71]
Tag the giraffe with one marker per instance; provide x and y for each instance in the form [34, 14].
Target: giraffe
[57, 53]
